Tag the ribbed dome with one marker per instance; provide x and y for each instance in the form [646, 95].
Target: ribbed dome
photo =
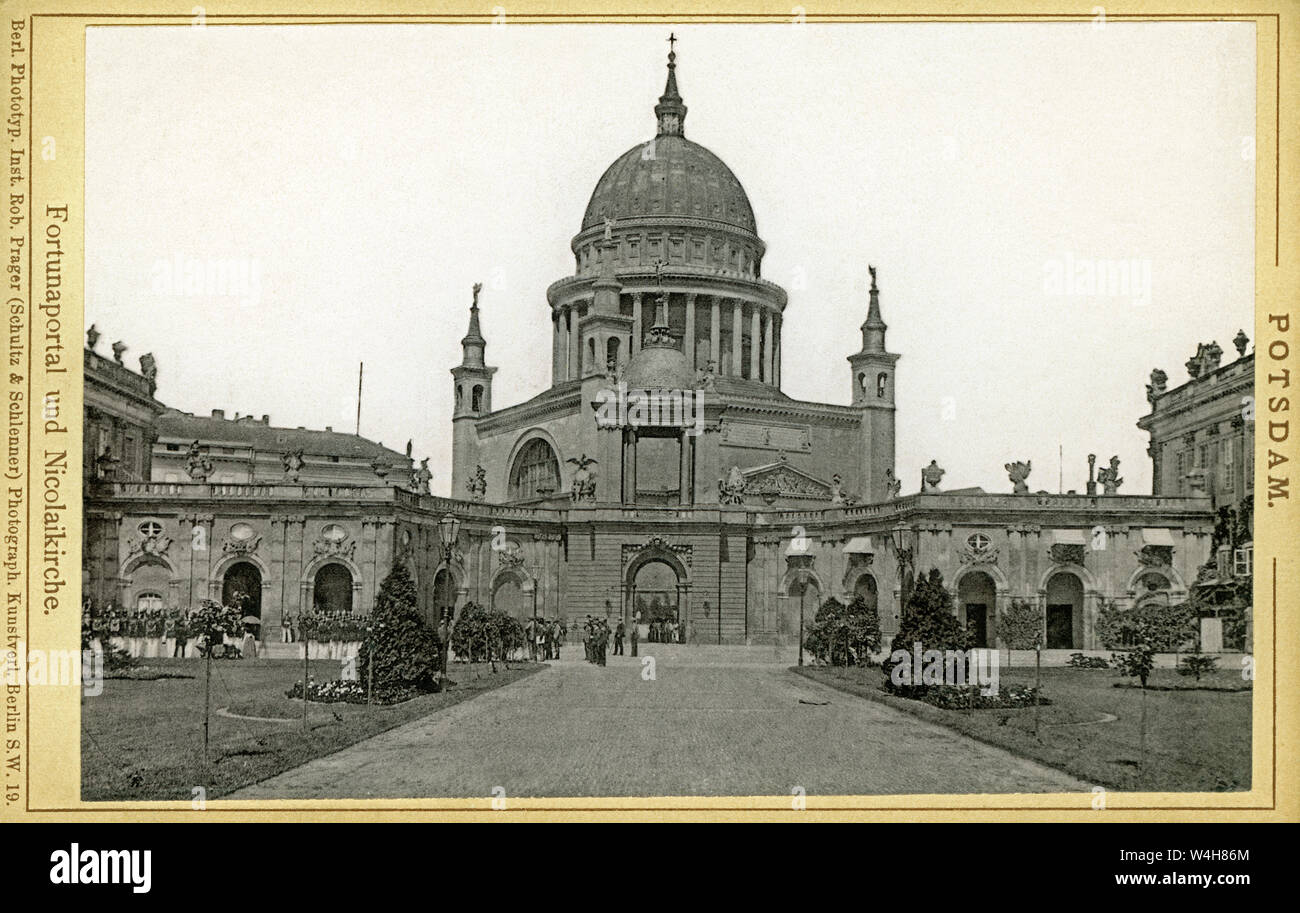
[659, 368]
[669, 176]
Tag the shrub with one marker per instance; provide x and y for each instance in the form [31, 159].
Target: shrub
[928, 619]
[1165, 629]
[1198, 664]
[212, 621]
[486, 634]
[844, 635]
[1136, 663]
[340, 691]
[952, 697]
[1020, 626]
[404, 648]
[1079, 661]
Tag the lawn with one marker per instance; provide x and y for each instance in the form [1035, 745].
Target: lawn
[144, 739]
[1196, 740]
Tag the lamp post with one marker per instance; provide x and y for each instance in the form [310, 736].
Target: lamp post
[899, 537]
[803, 591]
[448, 534]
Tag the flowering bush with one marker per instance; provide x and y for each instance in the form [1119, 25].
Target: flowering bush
[952, 697]
[1079, 661]
[213, 621]
[339, 691]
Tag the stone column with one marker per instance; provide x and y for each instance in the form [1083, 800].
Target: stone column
[689, 339]
[755, 348]
[767, 348]
[686, 469]
[776, 352]
[629, 466]
[737, 336]
[562, 344]
[636, 322]
[575, 348]
[715, 331]
[557, 346]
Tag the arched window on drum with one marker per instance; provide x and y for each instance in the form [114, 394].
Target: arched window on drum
[536, 472]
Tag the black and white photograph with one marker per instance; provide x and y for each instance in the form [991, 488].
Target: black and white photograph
[626, 411]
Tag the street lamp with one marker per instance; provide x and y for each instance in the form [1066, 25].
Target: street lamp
[803, 591]
[899, 536]
[448, 533]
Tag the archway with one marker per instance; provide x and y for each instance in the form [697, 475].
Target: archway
[1064, 611]
[655, 593]
[977, 605]
[241, 587]
[866, 590]
[150, 585]
[508, 596]
[332, 589]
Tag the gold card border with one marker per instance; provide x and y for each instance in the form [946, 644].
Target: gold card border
[54, 89]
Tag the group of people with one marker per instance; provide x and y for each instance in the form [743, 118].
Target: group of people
[598, 636]
[544, 638]
[324, 625]
[666, 631]
[153, 633]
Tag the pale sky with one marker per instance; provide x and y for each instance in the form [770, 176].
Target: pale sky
[369, 175]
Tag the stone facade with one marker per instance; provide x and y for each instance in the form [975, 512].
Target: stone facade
[1202, 432]
[735, 515]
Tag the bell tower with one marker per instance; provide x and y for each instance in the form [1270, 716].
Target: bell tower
[873, 370]
[472, 389]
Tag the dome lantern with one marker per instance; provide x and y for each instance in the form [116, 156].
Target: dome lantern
[671, 110]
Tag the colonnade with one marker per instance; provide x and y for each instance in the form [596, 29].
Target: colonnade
[752, 321]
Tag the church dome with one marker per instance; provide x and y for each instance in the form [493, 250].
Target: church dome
[669, 176]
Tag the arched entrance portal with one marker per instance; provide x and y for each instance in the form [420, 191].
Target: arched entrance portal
[332, 590]
[655, 594]
[241, 587]
[1064, 611]
[508, 596]
[977, 605]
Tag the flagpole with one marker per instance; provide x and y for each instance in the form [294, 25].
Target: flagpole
[361, 373]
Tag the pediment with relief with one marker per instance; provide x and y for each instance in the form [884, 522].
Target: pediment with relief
[783, 479]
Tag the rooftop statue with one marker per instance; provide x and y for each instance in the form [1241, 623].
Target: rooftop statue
[477, 484]
[293, 462]
[1018, 473]
[931, 476]
[1109, 477]
[198, 466]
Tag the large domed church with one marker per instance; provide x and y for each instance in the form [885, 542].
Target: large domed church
[667, 306]
[662, 475]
